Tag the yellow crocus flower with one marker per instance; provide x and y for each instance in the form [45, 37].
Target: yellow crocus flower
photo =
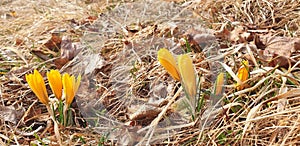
[187, 73]
[55, 82]
[37, 85]
[70, 87]
[243, 74]
[168, 62]
[219, 84]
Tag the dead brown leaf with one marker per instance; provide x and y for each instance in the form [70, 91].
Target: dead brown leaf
[54, 43]
[10, 114]
[68, 51]
[42, 53]
[239, 35]
[278, 50]
[145, 114]
[283, 46]
[60, 62]
[198, 39]
[19, 42]
[51, 47]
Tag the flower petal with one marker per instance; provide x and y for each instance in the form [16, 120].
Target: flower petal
[219, 84]
[55, 82]
[68, 88]
[41, 84]
[37, 85]
[243, 74]
[187, 73]
[168, 62]
[77, 84]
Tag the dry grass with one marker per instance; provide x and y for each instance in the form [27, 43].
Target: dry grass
[126, 96]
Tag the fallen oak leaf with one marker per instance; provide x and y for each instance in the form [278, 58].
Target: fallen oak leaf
[198, 39]
[68, 51]
[144, 114]
[10, 114]
[283, 46]
[50, 48]
[54, 43]
[278, 50]
[42, 53]
[238, 34]
[60, 62]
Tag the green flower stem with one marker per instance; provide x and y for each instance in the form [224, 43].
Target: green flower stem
[67, 115]
[61, 110]
[56, 129]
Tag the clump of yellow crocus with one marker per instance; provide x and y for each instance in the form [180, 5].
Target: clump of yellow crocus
[37, 84]
[58, 83]
[70, 87]
[184, 72]
[243, 74]
[55, 82]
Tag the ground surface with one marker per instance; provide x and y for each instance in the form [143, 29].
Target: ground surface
[126, 96]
